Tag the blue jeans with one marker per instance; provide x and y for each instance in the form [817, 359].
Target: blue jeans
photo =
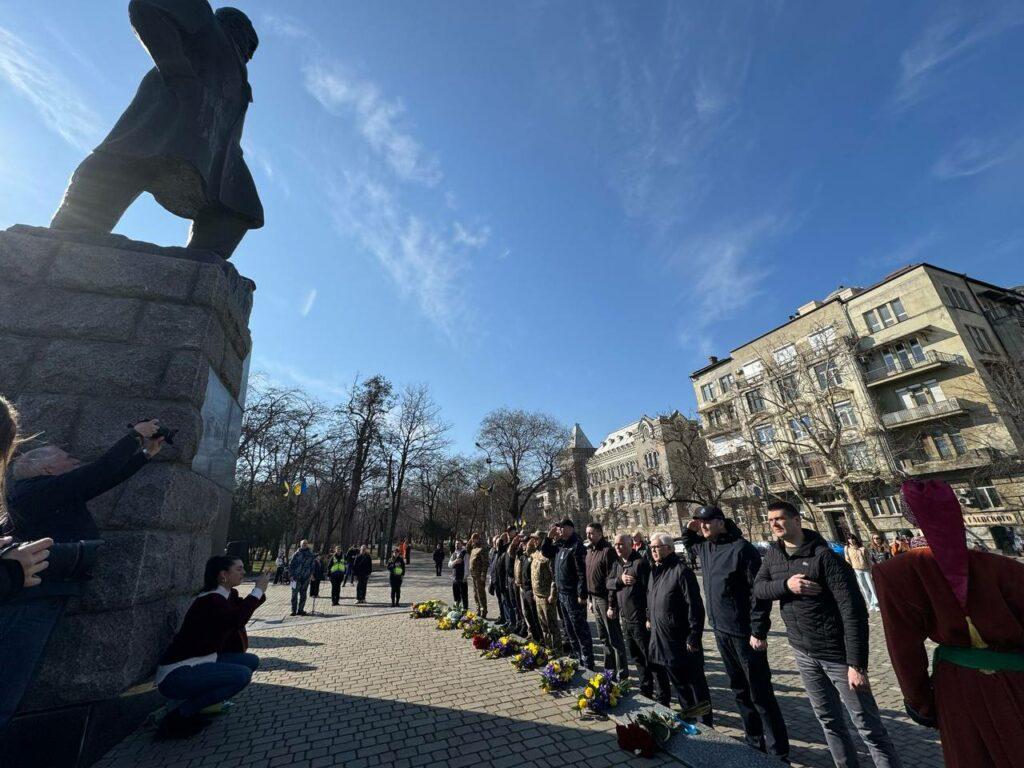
[574, 617]
[299, 594]
[203, 685]
[24, 631]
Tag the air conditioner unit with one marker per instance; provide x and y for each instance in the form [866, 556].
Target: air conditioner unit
[965, 496]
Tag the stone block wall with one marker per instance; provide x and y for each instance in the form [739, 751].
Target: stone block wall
[95, 335]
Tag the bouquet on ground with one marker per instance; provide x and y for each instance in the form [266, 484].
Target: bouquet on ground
[502, 648]
[472, 625]
[557, 674]
[601, 694]
[530, 656]
[481, 642]
[450, 620]
[428, 610]
[661, 725]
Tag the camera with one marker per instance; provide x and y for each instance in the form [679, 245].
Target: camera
[70, 561]
[165, 432]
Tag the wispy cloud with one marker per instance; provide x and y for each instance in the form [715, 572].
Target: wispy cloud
[308, 302]
[285, 26]
[424, 261]
[948, 40]
[471, 238]
[290, 375]
[971, 156]
[728, 272]
[381, 121]
[54, 97]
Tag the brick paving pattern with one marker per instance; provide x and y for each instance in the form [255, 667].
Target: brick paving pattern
[367, 686]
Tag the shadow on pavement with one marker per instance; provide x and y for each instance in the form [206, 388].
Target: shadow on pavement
[278, 725]
[258, 641]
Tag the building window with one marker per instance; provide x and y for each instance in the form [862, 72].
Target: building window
[845, 414]
[720, 417]
[604, 498]
[800, 427]
[813, 466]
[982, 340]
[632, 494]
[946, 443]
[707, 393]
[958, 298]
[857, 456]
[827, 375]
[986, 497]
[764, 434]
[903, 355]
[885, 506]
[785, 355]
[755, 401]
[921, 394]
[885, 315]
[788, 388]
[775, 472]
[822, 340]
[725, 383]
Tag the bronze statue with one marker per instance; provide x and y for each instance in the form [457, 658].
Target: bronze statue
[179, 138]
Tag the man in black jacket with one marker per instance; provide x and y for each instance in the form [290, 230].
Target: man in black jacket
[350, 557]
[827, 625]
[497, 579]
[600, 559]
[729, 565]
[48, 498]
[675, 613]
[362, 567]
[563, 547]
[627, 596]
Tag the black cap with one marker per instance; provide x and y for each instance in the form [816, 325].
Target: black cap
[709, 513]
[566, 523]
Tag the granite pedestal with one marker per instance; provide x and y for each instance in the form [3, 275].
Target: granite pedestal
[97, 332]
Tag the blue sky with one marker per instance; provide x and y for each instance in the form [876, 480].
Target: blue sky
[562, 206]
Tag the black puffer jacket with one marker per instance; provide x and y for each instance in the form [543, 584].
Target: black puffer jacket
[832, 626]
[570, 564]
[728, 565]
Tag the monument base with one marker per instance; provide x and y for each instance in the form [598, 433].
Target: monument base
[97, 332]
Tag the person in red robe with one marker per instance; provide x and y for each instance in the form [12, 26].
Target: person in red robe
[972, 604]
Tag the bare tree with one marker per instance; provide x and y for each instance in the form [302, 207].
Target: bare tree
[524, 449]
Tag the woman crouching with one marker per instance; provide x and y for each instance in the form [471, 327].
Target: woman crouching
[206, 662]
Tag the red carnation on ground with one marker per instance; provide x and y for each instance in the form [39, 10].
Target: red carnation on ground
[481, 643]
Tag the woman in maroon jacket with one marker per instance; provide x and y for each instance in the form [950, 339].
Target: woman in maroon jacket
[206, 662]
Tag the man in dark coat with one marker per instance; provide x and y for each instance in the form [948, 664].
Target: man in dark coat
[600, 559]
[497, 584]
[350, 557]
[180, 137]
[627, 596]
[438, 558]
[563, 547]
[362, 567]
[827, 626]
[729, 565]
[675, 613]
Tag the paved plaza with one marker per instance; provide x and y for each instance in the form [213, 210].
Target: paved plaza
[367, 686]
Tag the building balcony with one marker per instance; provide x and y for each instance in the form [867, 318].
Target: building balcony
[733, 457]
[977, 457]
[746, 382]
[908, 416]
[817, 481]
[725, 427]
[902, 370]
[779, 486]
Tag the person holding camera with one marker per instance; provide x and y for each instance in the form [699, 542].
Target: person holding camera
[48, 499]
[206, 662]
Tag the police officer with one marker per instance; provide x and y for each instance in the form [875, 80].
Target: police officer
[336, 571]
[396, 571]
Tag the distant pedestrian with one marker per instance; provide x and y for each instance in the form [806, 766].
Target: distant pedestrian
[900, 544]
[729, 565]
[396, 572]
[563, 547]
[438, 558]
[362, 567]
[336, 570]
[827, 625]
[675, 613]
[408, 551]
[458, 563]
[316, 577]
[301, 569]
[860, 560]
[350, 557]
[281, 563]
[599, 561]
[879, 550]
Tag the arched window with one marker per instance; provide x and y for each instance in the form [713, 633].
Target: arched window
[641, 489]
[604, 499]
[632, 493]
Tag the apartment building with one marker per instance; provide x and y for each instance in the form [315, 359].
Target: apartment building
[913, 377]
[628, 482]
